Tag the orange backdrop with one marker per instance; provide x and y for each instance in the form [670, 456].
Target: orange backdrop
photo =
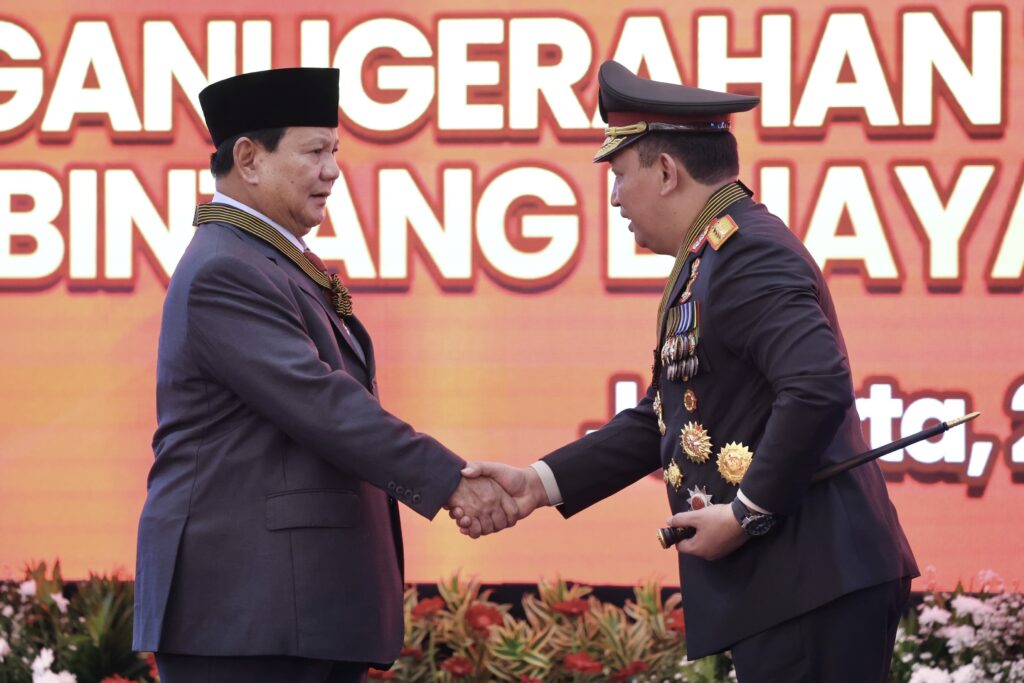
[888, 137]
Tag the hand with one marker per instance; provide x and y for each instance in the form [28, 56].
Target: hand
[718, 532]
[485, 504]
[522, 484]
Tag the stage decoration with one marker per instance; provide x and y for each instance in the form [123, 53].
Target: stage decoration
[73, 633]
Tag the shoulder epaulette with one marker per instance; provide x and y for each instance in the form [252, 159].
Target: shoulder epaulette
[720, 230]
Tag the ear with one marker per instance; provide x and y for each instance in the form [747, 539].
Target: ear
[246, 154]
[669, 174]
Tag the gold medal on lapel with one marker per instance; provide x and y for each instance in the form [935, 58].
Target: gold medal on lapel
[733, 461]
[673, 476]
[657, 411]
[696, 442]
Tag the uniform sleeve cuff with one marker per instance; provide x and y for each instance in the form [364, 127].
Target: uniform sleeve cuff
[547, 478]
[749, 503]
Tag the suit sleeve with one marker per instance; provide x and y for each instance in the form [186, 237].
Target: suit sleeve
[246, 333]
[606, 461]
[768, 312]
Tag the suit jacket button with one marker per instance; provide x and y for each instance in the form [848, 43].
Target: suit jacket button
[391, 486]
[408, 494]
[416, 499]
[400, 490]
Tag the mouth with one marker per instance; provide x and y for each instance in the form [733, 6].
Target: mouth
[321, 196]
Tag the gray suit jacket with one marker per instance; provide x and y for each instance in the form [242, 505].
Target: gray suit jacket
[270, 525]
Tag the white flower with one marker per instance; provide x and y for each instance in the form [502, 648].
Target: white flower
[968, 673]
[5, 649]
[933, 615]
[43, 662]
[27, 589]
[7, 611]
[60, 601]
[959, 637]
[973, 607]
[927, 674]
[51, 677]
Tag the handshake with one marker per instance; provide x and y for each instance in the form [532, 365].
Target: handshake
[492, 496]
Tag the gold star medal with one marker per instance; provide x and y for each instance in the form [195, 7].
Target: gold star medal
[733, 461]
[657, 411]
[673, 476]
[696, 442]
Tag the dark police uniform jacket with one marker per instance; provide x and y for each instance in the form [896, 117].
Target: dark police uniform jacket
[270, 525]
[773, 376]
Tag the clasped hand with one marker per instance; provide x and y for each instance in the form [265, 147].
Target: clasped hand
[492, 496]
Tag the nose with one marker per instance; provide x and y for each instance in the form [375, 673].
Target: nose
[614, 199]
[331, 170]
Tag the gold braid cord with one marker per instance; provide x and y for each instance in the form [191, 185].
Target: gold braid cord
[341, 300]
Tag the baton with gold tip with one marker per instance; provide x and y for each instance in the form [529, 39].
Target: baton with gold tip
[669, 536]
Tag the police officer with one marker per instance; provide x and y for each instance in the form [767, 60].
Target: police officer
[751, 394]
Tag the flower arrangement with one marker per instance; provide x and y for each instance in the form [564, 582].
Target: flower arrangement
[961, 638]
[50, 633]
[56, 633]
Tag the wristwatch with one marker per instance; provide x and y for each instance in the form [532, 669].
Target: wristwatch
[753, 522]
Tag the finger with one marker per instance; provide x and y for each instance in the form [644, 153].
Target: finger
[511, 509]
[475, 530]
[471, 470]
[465, 521]
[486, 524]
[457, 512]
[683, 519]
[498, 519]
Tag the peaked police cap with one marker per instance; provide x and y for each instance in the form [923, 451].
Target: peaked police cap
[633, 107]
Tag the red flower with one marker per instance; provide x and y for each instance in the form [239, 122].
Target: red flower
[482, 617]
[573, 608]
[675, 621]
[382, 675]
[457, 666]
[118, 678]
[581, 662]
[630, 670]
[523, 678]
[427, 608]
[412, 652]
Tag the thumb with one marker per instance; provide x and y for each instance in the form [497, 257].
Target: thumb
[478, 469]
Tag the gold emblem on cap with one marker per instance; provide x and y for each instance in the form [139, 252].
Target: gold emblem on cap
[690, 400]
[658, 411]
[673, 476]
[733, 461]
[696, 442]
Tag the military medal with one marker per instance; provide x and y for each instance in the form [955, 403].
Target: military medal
[699, 498]
[690, 401]
[685, 296]
[658, 411]
[696, 442]
[733, 461]
[673, 476]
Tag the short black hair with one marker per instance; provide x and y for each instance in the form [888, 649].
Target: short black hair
[223, 160]
[709, 157]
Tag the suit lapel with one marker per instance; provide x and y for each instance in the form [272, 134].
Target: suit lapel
[315, 291]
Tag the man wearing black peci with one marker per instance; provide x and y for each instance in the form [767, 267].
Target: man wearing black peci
[751, 394]
[269, 545]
